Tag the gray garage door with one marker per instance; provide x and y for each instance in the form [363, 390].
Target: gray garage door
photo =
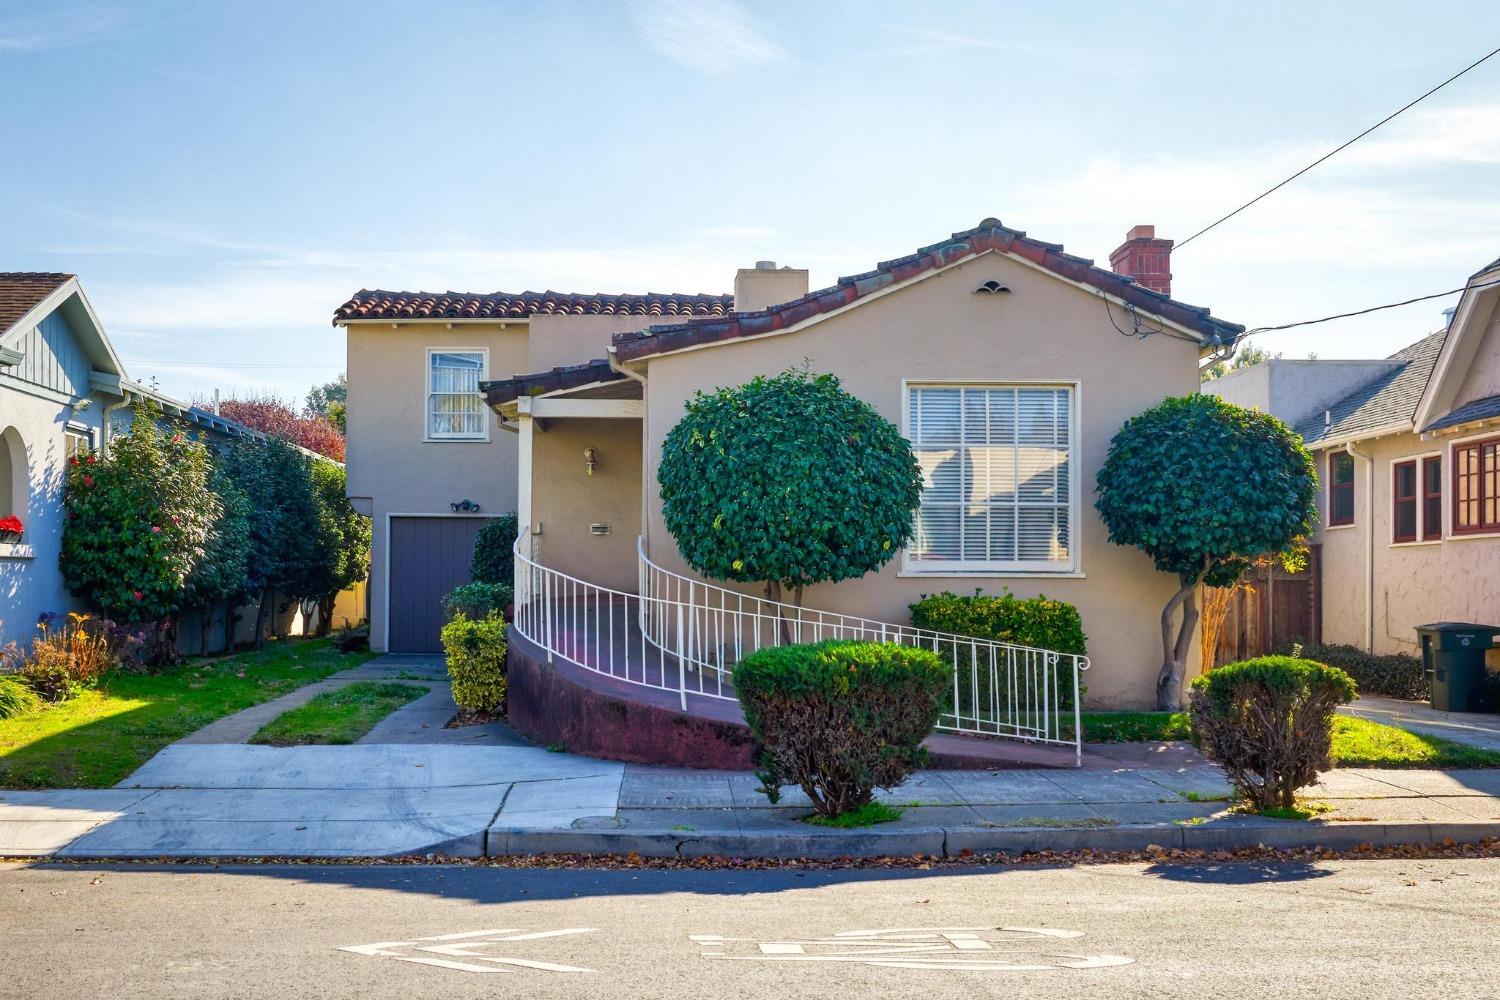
[429, 557]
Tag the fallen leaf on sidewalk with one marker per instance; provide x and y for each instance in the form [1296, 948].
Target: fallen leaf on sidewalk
[1362, 892]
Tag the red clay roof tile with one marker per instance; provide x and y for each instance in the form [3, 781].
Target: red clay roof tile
[377, 304]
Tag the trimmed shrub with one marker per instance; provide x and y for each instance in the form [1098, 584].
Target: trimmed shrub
[1269, 723]
[1039, 621]
[476, 661]
[1398, 675]
[16, 698]
[494, 559]
[840, 719]
[477, 600]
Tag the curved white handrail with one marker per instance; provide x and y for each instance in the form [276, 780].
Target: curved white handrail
[683, 635]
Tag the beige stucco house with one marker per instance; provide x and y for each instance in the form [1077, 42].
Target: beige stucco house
[1408, 450]
[1006, 352]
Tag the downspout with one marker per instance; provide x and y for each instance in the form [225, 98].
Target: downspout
[106, 425]
[1369, 543]
[616, 365]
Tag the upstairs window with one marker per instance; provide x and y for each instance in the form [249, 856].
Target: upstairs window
[1340, 488]
[1476, 487]
[997, 464]
[1432, 497]
[77, 440]
[455, 409]
[1404, 494]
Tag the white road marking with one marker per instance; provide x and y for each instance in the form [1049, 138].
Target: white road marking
[963, 949]
[466, 945]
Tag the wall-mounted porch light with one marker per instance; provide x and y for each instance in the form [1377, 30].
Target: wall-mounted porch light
[590, 460]
[464, 506]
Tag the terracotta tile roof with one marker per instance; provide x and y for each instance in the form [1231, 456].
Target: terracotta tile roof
[377, 304]
[502, 391]
[1387, 400]
[988, 235]
[20, 291]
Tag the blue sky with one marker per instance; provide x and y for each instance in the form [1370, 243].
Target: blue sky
[222, 175]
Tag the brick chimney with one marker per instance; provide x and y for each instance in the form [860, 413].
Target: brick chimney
[766, 285]
[1145, 258]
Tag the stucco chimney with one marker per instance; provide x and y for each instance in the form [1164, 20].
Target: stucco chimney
[765, 285]
[1145, 258]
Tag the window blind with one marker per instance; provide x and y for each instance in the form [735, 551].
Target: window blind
[454, 407]
[996, 462]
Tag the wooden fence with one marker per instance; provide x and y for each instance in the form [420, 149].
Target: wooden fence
[1272, 608]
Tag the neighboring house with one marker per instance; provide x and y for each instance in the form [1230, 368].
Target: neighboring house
[1008, 363]
[1408, 452]
[63, 390]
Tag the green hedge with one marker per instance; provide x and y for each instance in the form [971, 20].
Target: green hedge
[1398, 675]
[476, 661]
[1269, 723]
[840, 719]
[478, 600]
[1039, 622]
[494, 556]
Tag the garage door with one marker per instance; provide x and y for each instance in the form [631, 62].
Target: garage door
[429, 557]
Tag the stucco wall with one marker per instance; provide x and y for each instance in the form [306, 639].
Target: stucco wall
[939, 328]
[30, 586]
[571, 340]
[566, 500]
[1296, 391]
[1456, 579]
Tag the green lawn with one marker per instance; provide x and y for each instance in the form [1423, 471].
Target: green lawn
[1135, 727]
[1356, 742]
[96, 739]
[1361, 743]
[341, 716]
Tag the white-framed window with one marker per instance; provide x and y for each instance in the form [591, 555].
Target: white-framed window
[78, 440]
[998, 464]
[455, 408]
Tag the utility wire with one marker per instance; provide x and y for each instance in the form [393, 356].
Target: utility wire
[220, 364]
[1340, 149]
[1361, 312]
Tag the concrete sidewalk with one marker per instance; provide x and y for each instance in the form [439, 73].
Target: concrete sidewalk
[372, 800]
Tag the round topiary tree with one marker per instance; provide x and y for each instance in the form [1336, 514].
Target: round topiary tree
[787, 480]
[1203, 486]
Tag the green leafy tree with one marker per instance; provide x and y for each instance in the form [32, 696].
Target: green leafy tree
[494, 559]
[139, 521]
[287, 530]
[330, 401]
[1203, 487]
[343, 540]
[787, 480]
[221, 578]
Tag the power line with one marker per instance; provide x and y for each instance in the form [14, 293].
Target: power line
[1340, 149]
[218, 364]
[1362, 312]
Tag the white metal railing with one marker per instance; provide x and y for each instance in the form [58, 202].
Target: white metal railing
[683, 635]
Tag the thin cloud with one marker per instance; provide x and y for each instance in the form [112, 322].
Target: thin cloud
[58, 28]
[711, 37]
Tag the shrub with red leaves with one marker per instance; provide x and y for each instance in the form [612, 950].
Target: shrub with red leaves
[270, 415]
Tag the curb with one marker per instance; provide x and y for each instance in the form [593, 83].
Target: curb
[939, 842]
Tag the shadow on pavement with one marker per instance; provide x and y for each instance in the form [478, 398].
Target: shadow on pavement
[1239, 873]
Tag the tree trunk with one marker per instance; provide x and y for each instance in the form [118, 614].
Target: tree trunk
[205, 625]
[325, 613]
[773, 593]
[1175, 649]
[228, 626]
[266, 600]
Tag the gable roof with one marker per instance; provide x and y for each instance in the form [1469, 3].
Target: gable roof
[23, 291]
[1386, 401]
[1472, 316]
[378, 304]
[988, 236]
[1476, 409]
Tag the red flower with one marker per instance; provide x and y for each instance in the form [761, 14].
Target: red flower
[92, 458]
[11, 525]
[139, 595]
[73, 460]
[88, 480]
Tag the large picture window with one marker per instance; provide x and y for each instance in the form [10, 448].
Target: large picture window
[455, 409]
[1476, 486]
[1340, 488]
[997, 463]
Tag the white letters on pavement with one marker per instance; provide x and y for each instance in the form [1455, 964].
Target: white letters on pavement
[473, 947]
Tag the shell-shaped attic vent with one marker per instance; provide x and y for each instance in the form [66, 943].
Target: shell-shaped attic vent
[993, 287]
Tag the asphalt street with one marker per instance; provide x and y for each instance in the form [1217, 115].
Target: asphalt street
[1364, 929]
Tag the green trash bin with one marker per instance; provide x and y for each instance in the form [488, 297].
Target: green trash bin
[1453, 657]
